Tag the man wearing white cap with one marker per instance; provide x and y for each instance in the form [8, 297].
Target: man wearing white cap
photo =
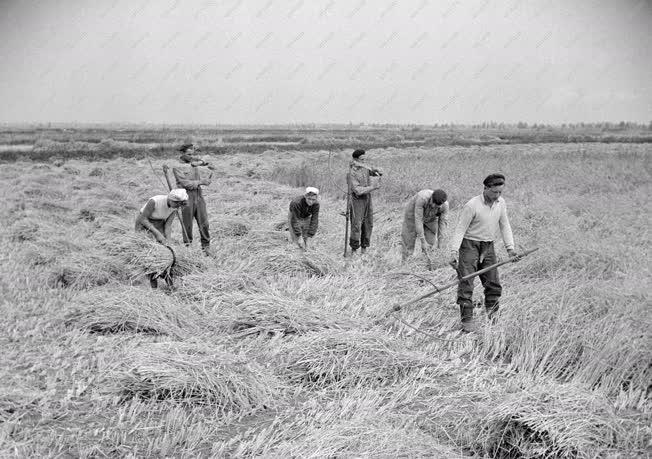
[156, 218]
[157, 214]
[303, 217]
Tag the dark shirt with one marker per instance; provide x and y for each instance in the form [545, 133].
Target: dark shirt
[300, 209]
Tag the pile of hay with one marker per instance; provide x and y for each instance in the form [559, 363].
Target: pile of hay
[214, 284]
[229, 228]
[291, 261]
[361, 424]
[348, 358]
[139, 254]
[271, 313]
[75, 275]
[558, 420]
[197, 373]
[132, 309]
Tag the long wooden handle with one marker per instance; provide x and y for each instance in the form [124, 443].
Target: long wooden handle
[348, 211]
[398, 307]
[167, 179]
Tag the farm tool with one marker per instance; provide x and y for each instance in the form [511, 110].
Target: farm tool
[166, 274]
[436, 290]
[167, 179]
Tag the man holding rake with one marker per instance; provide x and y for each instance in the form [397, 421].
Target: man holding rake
[472, 247]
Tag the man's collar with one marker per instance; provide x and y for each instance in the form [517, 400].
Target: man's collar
[490, 204]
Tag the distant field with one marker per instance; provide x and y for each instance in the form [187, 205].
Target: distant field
[264, 351]
[41, 143]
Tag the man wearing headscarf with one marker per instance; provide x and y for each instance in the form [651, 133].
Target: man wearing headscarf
[156, 217]
[361, 210]
[303, 217]
[472, 247]
[425, 218]
[190, 179]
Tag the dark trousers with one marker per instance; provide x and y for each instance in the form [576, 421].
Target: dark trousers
[362, 221]
[195, 210]
[474, 256]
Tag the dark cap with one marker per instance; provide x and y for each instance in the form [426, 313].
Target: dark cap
[494, 180]
[185, 147]
[439, 197]
[356, 154]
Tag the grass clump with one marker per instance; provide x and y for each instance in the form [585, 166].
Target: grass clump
[293, 262]
[359, 424]
[271, 313]
[348, 358]
[132, 309]
[198, 373]
[554, 420]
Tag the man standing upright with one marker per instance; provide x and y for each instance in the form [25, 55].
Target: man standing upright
[190, 179]
[473, 245]
[303, 217]
[361, 210]
[425, 217]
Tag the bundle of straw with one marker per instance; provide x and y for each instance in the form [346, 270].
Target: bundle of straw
[271, 313]
[132, 309]
[229, 228]
[140, 254]
[189, 260]
[360, 424]
[558, 420]
[80, 276]
[344, 359]
[291, 261]
[199, 286]
[198, 373]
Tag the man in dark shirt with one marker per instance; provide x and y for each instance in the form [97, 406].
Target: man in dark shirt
[303, 217]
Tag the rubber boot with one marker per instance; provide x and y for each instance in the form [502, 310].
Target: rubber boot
[466, 314]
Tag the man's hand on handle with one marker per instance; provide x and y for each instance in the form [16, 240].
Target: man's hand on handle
[513, 255]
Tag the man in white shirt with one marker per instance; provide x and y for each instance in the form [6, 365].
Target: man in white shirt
[472, 246]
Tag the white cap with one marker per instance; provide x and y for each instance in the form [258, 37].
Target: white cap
[312, 189]
[178, 194]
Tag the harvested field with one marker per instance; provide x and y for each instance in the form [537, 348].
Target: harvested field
[263, 350]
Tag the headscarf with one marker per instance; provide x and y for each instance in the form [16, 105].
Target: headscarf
[178, 194]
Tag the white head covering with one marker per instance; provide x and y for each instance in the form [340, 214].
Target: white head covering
[312, 189]
[178, 194]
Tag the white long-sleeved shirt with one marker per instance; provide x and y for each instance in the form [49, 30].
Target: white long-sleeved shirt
[480, 222]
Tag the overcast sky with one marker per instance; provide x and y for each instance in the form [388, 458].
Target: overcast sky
[298, 61]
